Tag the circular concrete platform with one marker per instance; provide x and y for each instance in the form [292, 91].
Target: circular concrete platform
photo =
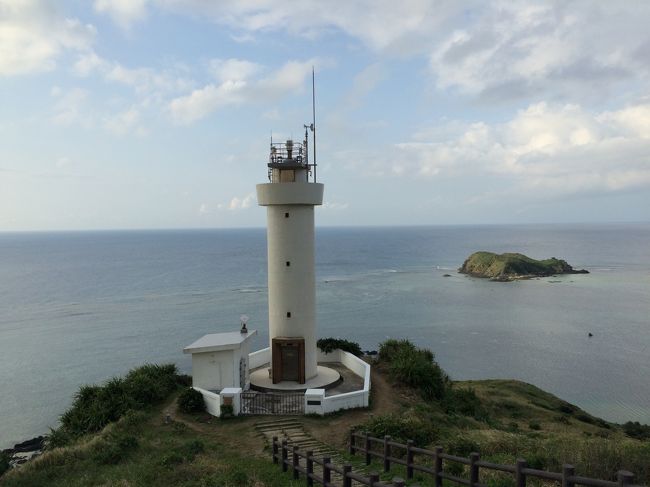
[324, 379]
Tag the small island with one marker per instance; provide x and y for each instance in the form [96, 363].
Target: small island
[514, 266]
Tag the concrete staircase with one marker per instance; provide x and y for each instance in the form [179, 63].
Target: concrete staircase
[294, 432]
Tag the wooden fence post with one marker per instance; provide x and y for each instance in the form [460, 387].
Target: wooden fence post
[437, 468]
[386, 453]
[409, 459]
[295, 462]
[568, 471]
[374, 478]
[310, 467]
[347, 480]
[275, 450]
[398, 482]
[367, 447]
[285, 455]
[327, 471]
[625, 477]
[520, 477]
[473, 469]
[352, 450]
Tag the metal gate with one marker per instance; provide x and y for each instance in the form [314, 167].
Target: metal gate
[272, 403]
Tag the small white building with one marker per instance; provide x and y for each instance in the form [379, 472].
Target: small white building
[220, 360]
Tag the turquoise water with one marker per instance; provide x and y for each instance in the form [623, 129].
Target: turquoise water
[80, 307]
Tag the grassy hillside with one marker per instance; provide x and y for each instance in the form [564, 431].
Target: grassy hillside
[412, 398]
[513, 266]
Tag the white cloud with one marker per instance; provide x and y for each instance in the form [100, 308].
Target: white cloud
[145, 81]
[123, 12]
[497, 49]
[233, 69]
[70, 108]
[543, 150]
[237, 203]
[512, 49]
[125, 122]
[237, 87]
[331, 205]
[33, 34]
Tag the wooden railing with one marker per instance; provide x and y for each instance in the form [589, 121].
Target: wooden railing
[520, 471]
[291, 458]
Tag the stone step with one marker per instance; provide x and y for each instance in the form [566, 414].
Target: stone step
[277, 422]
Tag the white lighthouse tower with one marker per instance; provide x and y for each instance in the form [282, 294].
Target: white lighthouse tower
[290, 197]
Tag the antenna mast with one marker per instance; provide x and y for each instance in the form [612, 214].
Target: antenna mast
[313, 111]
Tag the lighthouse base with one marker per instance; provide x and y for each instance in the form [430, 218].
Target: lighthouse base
[324, 379]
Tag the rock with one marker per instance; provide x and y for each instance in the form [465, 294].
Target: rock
[511, 266]
[446, 275]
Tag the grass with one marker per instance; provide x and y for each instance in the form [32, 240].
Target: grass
[141, 449]
[501, 419]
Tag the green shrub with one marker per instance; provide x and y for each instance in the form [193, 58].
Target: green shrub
[389, 349]
[226, 411]
[237, 478]
[462, 446]
[414, 367]
[193, 448]
[534, 425]
[637, 430]
[114, 449]
[172, 459]
[585, 418]
[191, 401]
[465, 402]
[328, 345]
[4, 462]
[400, 429]
[96, 406]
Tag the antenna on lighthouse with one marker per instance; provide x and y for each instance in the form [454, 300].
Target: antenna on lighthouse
[313, 112]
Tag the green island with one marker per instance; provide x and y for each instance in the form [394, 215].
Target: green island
[514, 266]
[147, 429]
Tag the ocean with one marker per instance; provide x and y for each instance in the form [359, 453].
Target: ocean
[80, 307]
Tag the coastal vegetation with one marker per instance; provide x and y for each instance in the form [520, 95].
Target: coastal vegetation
[95, 406]
[512, 266]
[328, 345]
[155, 443]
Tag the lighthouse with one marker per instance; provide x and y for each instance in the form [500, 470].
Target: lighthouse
[290, 197]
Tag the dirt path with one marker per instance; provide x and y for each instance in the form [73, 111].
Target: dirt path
[333, 430]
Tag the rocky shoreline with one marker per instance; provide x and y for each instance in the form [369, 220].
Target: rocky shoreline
[25, 451]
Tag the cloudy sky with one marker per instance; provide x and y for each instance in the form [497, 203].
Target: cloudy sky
[158, 113]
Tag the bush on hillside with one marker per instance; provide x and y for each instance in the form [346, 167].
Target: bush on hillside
[328, 345]
[465, 402]
[96, 406]
[191, 401]
[414, 367]
[400, 429]
[637, 430]
[4, 462]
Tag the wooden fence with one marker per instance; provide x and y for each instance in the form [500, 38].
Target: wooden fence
[390, 452]
[290, 457]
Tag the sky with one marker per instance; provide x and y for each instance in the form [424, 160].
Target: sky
[135, 114]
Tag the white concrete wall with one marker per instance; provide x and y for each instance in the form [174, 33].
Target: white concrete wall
[212, 401]
[317, 398]
[259, 358]
[213, 370]
[235, 394]
[348, 400]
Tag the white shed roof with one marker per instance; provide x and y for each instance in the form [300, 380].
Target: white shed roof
[219, 341]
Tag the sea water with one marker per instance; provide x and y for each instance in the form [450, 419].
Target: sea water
[78, 308]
